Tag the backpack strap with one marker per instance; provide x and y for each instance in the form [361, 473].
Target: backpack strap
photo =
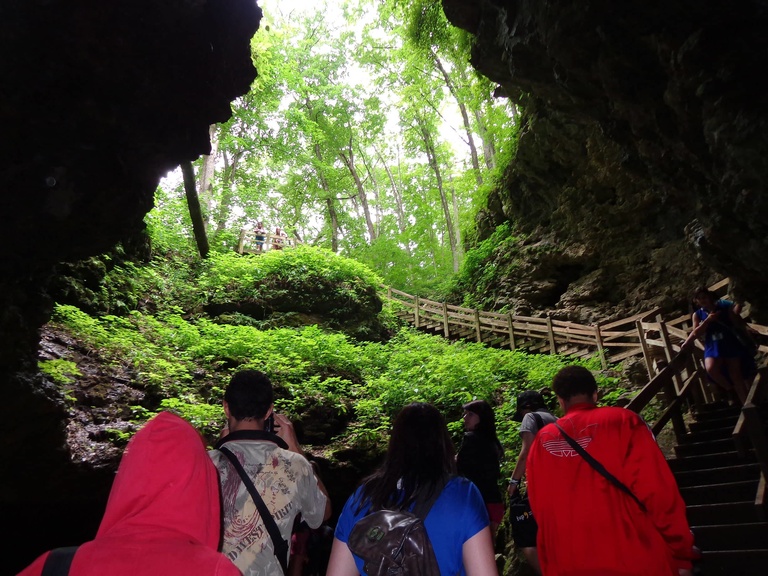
[421, 509]
[599, 467]
[58, 561]
[280, 544]
[539, 421]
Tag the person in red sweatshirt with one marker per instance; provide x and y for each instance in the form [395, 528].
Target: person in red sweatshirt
[587, 525]
[163, 515]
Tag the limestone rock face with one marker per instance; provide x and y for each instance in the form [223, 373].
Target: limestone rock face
[643, 139]
[99, 100]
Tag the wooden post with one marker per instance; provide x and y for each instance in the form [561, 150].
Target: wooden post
[416, 315]
[389, 292]
[446, 326]
[668, 353]
[670, 394]
[551, 330]
[478, 334]
[241, 241]
[644, 346]
[510, 320]
[600, 348]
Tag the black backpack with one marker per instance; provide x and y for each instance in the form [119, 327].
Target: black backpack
[393, 542]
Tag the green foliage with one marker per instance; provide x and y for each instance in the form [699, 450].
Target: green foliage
[231, 276]
[207, 418]
[60, 371]
[359, 385]
[478, 272]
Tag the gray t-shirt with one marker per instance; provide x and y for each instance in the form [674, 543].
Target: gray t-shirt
[529, 421]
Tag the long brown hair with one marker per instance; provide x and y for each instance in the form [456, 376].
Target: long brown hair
[419, 459]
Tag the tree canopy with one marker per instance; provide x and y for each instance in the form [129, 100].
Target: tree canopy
[367, 132]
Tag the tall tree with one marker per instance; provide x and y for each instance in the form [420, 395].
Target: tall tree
[195, 212]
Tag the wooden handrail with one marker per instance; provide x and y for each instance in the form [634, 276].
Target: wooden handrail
[613, 341]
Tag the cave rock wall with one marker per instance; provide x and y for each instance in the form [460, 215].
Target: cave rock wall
[644, 139]
[99, 100]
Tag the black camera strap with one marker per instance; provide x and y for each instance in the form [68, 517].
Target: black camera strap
[599, 467]
[279, 544]
[59, 561]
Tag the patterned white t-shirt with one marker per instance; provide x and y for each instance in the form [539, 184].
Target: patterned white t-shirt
[288, 486]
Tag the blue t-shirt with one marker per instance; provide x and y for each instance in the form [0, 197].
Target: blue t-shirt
[457, 515]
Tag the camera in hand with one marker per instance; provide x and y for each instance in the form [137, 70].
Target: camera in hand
[269, 424]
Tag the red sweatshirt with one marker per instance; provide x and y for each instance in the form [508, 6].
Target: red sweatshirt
[587, 526]
[163, 515]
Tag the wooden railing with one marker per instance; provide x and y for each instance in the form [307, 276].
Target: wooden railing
[616, 340]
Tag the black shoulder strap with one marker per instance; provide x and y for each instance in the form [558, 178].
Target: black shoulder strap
[539, 421]
[599, 467]
[59, 561]
[279, 543]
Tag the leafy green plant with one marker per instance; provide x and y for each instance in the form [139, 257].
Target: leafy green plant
[60, 371]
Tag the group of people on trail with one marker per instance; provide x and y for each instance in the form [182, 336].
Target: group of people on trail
[599, 488]
[279, 237]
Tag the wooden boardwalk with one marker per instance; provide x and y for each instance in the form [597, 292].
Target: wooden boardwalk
[647, 335]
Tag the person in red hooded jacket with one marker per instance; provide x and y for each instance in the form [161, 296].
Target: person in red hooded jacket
[163, 516]
[587, 525]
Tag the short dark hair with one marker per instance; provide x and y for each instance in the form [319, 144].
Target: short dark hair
[572, 381]
[249, 395]
[704, 291]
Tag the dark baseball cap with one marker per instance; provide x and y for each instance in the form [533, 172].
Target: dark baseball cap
[530, 400]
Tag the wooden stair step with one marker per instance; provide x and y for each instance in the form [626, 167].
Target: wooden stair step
[734, 562]
[706, 435]
[701, 448]
[719, 475]
[715, 460]
[723, 513]
[745, 536]
[726, 492]
[715, 423]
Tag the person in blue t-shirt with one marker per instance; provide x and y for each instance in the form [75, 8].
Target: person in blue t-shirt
[420, 458]
[727, 359]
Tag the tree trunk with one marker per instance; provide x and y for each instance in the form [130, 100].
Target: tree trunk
[333, 218]
[195, 212]
[227, 190]
[207, 172]
[464, 117]
[457, 225]
[400, 212]
[432, 158]
[334, 222]
[349, 161]
[489, 149]
[375, 183]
